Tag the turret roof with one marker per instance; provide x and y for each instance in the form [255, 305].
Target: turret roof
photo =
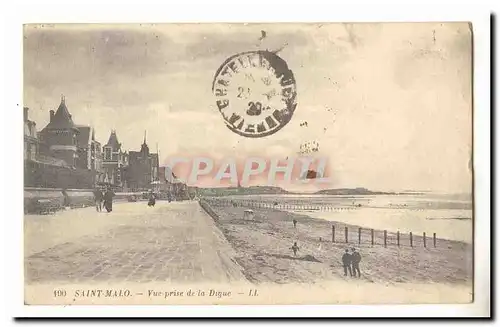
[62, 118]
[113, 141]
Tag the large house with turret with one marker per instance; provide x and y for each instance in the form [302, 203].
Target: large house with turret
[114, 162]
[59, 137]
[142, 171]
[69, 146]
[67, 155]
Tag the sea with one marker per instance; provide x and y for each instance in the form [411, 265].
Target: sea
[450, 216]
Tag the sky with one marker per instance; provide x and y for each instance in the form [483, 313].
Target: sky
[389, 105]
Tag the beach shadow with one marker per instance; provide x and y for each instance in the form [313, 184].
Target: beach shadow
[304, 258]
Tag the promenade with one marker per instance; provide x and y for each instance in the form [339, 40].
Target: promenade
[172, 242]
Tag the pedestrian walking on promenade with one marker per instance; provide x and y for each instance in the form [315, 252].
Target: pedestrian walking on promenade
[294, 223]
[295, 248]
[108, 200]
[346, 262]
[356, 259]
[66, 199]
[152, 199]
[98, 199]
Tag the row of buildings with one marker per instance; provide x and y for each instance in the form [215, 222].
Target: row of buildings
[67, 155]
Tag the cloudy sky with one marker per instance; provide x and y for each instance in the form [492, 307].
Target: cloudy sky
[388, 104]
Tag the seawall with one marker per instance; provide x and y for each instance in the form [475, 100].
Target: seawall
[77, 198]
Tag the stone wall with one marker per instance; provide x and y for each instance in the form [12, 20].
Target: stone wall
[38, 174]
[76, 198]
[208, 209]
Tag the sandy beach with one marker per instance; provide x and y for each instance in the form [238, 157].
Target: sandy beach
[263, 250]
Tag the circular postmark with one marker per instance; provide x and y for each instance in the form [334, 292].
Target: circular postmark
[255, 92]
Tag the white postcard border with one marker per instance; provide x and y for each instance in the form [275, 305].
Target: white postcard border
[125, 11]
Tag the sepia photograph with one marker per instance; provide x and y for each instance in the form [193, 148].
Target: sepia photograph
[248, 163]
[253, 163]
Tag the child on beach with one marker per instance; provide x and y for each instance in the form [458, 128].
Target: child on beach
[295, 248]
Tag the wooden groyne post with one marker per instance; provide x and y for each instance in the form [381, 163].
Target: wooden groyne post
[372, 232]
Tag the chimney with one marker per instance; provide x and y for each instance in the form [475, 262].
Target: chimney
[51, 115]
[26, 109]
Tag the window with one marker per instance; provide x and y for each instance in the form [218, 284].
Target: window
[107, 153]
[33, 152]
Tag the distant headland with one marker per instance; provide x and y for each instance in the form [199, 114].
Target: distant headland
[255, 190]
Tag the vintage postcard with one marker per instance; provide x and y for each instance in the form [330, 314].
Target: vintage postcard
[297, 163]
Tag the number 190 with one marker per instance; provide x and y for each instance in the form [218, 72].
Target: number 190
[59, 293]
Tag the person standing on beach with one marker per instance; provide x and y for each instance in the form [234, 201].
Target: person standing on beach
[295, 248]
[294, 223]
[356, 259]
[347, 261]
